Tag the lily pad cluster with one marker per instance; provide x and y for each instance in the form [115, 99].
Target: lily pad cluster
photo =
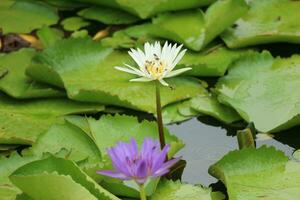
[63, 103]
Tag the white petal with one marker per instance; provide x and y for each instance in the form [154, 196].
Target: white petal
[148, 50]
[164, 51]
[124, 69]
[164, 83]
[157, 49]
[176, 72]
[137, 57]
[175, 53]
[141, 79]
[177, 59]
[136, 70]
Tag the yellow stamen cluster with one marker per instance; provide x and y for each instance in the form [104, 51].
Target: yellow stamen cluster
[155, 68]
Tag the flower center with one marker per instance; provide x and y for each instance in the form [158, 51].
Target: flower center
[155, 67]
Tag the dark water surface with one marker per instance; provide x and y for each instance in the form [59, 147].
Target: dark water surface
[206, 144]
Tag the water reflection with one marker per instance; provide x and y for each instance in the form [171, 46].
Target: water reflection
[206, 144]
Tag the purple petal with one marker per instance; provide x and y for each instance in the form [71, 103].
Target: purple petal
[134, 147]
[149, 147]
[167, 165]
[118, 164]
[161, 173]
[141, 170]
[160, 158]
[145, 147]
[113, 174]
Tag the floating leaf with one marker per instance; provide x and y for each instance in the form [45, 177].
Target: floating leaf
[86, 70]
[169, 190]
[65, 4]
[208, 104]
[171, 115]
[265, 22]
[74, 23]
[263, 173]
[203, 104]
[69, 137]
[8, 165]
[23, 121]
[56, 178]
[212, 61]
[199, 28]
[25, 16]
[15, 83]
[108, 15]
[262, 90]
[147, 8]
[49, 36]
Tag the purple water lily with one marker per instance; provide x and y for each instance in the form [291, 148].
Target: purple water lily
[130, 164]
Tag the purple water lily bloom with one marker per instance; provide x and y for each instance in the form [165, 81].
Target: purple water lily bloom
[130, 164]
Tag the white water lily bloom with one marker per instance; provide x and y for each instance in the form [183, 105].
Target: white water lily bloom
[156, 62]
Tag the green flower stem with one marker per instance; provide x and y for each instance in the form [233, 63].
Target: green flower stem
[142, 192]
[159, 117]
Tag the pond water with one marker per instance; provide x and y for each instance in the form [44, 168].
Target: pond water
[206, 144]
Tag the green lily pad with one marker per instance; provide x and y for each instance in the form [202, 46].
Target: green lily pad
[80, 34]
[14, 81]
[86, 70]
[57, 178]
[22, 197]
[262, 90]
[108, 15]
[199, 28]
[147, 8]
[69, 137]
[23, 121]
[74, 23]
[8, 165]
[169, 190]
[119, 40]
[25, 16]
[65, 4]
[170, 113]
[49, 36]
[207, 104]
[263, 173]
[212, 61]
[203, 104]
[266, 22]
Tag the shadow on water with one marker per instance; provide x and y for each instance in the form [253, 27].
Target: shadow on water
[206, 144]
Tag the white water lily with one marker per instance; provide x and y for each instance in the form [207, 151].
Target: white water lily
[156, 63]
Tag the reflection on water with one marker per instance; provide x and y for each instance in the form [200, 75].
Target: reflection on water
[206, 144]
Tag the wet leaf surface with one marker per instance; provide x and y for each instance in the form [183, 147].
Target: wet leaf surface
[25, 16]
[262, 90]
[266, 22]
[16, 83]
[23, 121]
[258, 173]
